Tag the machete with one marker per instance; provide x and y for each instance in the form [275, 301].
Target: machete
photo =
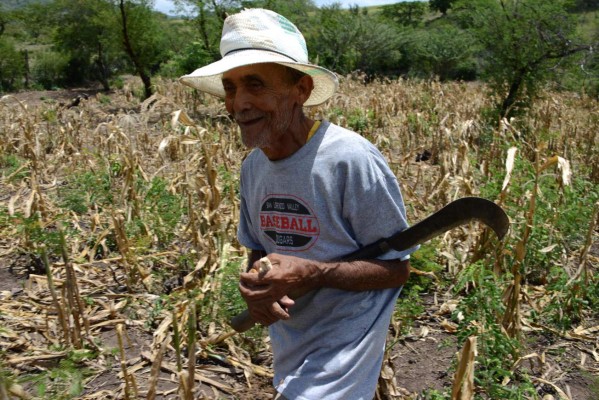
[456, 213]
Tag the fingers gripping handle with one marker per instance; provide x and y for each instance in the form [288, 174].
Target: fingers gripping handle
[244, 321]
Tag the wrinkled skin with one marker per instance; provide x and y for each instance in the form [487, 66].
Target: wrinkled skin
[268, 108]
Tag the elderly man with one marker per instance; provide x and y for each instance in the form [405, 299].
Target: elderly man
[311, 192]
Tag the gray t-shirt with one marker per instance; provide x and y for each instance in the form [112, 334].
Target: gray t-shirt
[333, 196]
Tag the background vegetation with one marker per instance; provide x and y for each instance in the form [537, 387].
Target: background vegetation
[120, 209]
[515, 45]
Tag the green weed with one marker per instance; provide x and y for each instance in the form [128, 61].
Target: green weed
[481, 312]
[164, 211]
[409, 305]
[13, 166]
[84, 191]
[65, 381]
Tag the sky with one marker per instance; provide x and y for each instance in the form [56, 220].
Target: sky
[166, 6]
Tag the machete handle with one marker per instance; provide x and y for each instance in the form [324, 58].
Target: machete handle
[242, 321]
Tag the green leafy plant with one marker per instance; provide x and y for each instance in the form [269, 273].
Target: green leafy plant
[65, 381]
[479, 314]
[409, 305]
[165, 210]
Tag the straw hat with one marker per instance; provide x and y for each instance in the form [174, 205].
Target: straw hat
[256, 36]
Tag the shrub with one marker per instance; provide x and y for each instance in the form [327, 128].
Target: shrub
[12, 66]
[49, 69]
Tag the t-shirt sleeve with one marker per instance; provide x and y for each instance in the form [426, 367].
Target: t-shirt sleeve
[373, 204]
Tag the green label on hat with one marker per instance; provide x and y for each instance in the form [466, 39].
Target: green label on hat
[286, 24]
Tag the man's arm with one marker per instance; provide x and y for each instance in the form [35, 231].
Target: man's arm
[295, 276]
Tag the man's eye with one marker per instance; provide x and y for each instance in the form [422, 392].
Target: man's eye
[229, 89]
[256, 84]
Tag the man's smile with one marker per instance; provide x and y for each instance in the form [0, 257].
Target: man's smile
[249, 122]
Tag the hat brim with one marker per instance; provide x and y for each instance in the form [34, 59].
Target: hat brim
[209, 78]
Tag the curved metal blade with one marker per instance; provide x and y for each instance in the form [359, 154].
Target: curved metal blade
[454, 214]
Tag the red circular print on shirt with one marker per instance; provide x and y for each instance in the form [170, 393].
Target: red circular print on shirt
[288, 222]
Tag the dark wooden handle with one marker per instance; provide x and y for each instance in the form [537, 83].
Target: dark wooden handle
[242, 322]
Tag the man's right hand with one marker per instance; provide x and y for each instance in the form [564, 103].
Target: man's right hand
[265, 311]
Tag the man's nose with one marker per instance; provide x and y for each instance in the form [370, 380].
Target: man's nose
[242, 100]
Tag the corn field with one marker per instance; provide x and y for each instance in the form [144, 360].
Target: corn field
[119, 259]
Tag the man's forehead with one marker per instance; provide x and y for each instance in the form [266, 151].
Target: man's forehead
[254, 70]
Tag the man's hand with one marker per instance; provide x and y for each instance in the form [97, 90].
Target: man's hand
[266, 293]
[269, 294]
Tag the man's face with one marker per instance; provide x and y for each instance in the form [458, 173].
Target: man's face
[262, 99]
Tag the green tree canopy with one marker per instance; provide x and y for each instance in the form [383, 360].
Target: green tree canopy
[441, 51]
[440, 5]
[11, 66]
[347, 41]
[86, 32]
[407, 13]
[520, 41]
[145, 40]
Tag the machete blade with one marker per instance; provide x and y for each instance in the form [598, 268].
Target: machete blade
[454, 214]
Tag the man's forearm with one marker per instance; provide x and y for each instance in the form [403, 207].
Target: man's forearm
[362, 275]
[295, 276]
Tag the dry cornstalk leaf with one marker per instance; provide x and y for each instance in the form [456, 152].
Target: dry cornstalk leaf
[11, 203]
[548, 249]
[448, 307]
[541, 359]
[199, 266]
[563, 165]
[172, 368]
[416, 271]
[509, 166]
[180, 116]
[463, 384]
[112, 322]
[155, 371]
[36, 358]
[582, 331]
[130, 384]
[17, 390]
[559, 391]
[449, 326]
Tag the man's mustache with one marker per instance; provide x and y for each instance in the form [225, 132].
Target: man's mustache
[245, 116]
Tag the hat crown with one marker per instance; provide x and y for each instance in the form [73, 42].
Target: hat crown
[259, 29]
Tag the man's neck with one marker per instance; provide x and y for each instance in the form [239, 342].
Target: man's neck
[294, 139]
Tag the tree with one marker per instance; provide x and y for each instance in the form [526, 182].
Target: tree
[520, 41]
[12, 66]
[86, 32]
[298, 11]
[442, 51]
[377, 47]
[207, 20]
[35, 18]
[409, 13]
[347, 41]
[585, 5]
[144, 41]
[440, 5]
[3, 21]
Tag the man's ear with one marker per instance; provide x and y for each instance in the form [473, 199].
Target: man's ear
[304, 88]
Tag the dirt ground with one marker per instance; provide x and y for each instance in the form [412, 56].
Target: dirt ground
[422, 361]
